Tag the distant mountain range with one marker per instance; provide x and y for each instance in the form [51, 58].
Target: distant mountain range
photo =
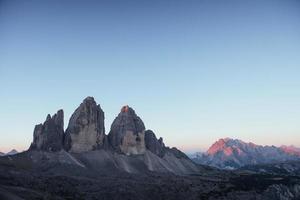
[12, 152]
[230, 153]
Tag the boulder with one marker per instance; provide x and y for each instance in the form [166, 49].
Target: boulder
[86, 130]
[49, 135]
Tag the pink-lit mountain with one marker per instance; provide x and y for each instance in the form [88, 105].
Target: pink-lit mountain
[233, 153]
[292, 150]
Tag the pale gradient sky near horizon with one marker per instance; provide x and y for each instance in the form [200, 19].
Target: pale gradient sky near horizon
[194, 71]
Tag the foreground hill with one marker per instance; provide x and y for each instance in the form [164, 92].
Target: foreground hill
[61, 175]
[232, 153]
[100, 162]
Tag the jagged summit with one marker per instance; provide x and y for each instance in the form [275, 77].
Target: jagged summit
[128, 120]
[86, 130]
[125, 108]
[127, 147]
[292, 150]
[235, 153]
[49, 135]
[12, 152]
[127, 133]
[154, 145]
[89, 98]
[227, 145]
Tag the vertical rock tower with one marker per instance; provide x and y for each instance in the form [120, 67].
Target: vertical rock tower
[49, 135]
[86, 130]
[127, 134]
[153, 144]
[86, 133]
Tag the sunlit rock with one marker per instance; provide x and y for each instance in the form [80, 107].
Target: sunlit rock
[127, 133]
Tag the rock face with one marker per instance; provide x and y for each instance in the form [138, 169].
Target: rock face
[127, 133]
[49, 135]
[232, 153]
[86, 130]
[153, 144]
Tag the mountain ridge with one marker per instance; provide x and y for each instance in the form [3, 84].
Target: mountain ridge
[127, 145]
[231, 153]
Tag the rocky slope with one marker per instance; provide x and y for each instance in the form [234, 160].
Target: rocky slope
[232, 153]
[128, 147]
[288, 168]
[62, 175]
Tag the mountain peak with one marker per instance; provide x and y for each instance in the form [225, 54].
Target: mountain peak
[89, 99]
[125, 108]
[290, 150]
[49, 135]
[85, 130]
[127, 132]
[234, 153]
[226, 139]
[12, 152]
[48, 117]
[221, 145]
[129, 120]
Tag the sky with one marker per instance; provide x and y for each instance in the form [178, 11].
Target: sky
[194, 71]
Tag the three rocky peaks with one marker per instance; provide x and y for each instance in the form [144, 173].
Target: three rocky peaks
[86, 132]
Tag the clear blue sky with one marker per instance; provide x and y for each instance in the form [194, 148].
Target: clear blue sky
[194, 71]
